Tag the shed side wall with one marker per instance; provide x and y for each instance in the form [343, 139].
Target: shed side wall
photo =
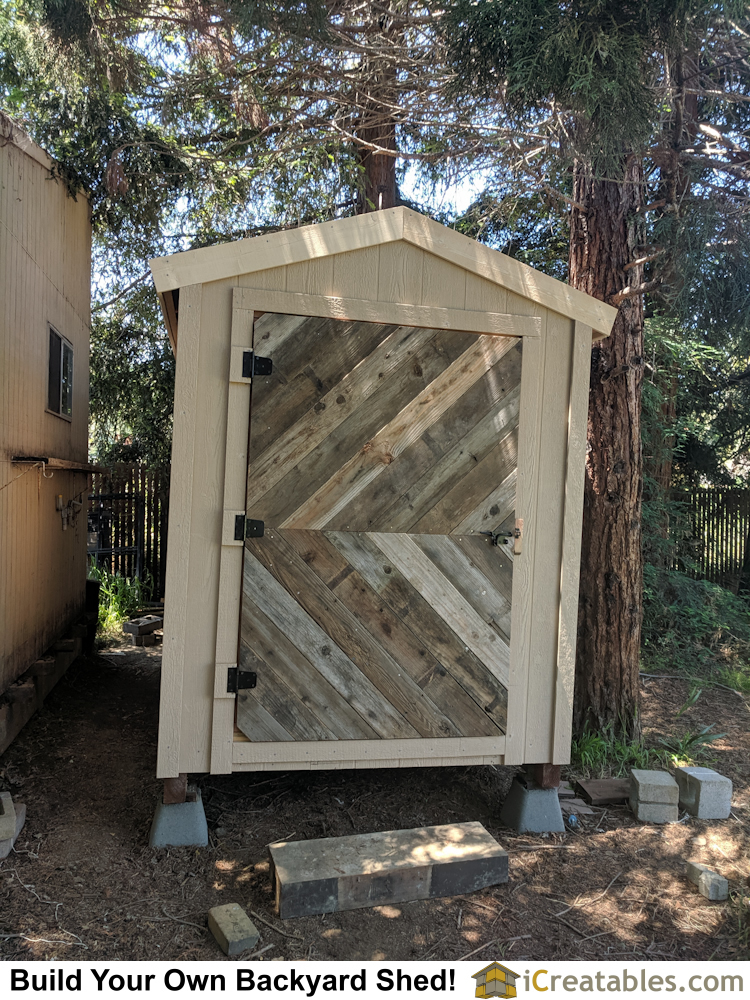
[45, 267]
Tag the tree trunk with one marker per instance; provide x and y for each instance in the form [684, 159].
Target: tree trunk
[379, 189]
[603, 239]
[377, 124]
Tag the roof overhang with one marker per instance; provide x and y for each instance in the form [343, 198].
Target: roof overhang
[292, 246]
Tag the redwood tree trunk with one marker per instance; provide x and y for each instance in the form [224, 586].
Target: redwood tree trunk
[604, 235]
[379, 189]
[377, 124]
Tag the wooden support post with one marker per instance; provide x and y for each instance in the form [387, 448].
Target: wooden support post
[544, 775]
[175, 790]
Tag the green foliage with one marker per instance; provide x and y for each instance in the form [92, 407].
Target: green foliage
[522, 225]
[603, 754]
[693, 626]
[132, 384]
[690, 747]
[600, 754]
[591, 57]
[119, 598]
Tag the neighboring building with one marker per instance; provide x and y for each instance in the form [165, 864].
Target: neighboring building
[495, 980]
[45, 277]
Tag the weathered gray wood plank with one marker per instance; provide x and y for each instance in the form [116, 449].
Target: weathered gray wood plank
[352, 437]
[337, 621]
[392, 632]
[284, 611]
[409, 605]
[307, 684]
[402, 430]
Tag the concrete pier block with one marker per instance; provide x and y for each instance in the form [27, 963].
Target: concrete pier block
[704, 793]
[6, 846]
[7, 816]
[654, 812]
[531, 809]
[180, 824]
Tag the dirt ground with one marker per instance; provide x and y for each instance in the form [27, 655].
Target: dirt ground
[82, 884]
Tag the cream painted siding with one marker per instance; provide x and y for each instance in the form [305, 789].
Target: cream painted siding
[391, 267]
[45, 265]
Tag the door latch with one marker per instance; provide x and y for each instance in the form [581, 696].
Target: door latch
[516, 534]
[497, 534]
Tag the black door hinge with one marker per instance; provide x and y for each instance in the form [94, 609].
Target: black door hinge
[245, 527]
[254, 365]
[240, 680]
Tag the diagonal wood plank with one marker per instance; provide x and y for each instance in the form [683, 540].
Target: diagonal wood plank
[424, 621]
[493, 510]
[423, 575]
[392, 632]
[304, 370]
[459, 502]
[479, 588]
[449, 450]
[389, 677]
[259, 721]
[322, 651]
[290, 446]
[494, 562]
[346, 441]
[308, 686]
[404, 429]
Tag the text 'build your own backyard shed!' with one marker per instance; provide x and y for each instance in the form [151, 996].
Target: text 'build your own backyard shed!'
[358, 406]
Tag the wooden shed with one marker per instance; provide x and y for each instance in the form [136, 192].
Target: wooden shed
[45, 274]
[376, 504]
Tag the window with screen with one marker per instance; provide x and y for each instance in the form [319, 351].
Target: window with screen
[60, 386]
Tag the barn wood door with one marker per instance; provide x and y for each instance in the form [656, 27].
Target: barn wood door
[373, 607]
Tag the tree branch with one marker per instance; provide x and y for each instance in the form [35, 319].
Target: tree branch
[632, 291]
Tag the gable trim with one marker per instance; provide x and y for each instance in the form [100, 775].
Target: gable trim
[360, 232]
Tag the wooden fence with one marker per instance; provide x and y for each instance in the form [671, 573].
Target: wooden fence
[720, 521]
[127, 519]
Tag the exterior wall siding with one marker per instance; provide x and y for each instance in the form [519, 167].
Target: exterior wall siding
[45, 264]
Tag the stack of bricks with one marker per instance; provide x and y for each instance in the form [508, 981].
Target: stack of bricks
[704, 793]
[654, 796]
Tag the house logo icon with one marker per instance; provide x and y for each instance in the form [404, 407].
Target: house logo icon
[495, 980]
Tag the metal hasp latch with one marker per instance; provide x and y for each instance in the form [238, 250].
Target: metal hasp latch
[240, 680]
[245, 527]
[254, 365]
[517, 534]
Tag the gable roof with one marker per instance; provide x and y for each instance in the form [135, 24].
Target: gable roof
[259, 253]
[495, 965]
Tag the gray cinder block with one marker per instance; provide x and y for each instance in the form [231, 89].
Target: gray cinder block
[7, 816]
[653, 786]
[232, 928]
[654, 812]
[704, 793]
[346, 873]
[710, 884]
